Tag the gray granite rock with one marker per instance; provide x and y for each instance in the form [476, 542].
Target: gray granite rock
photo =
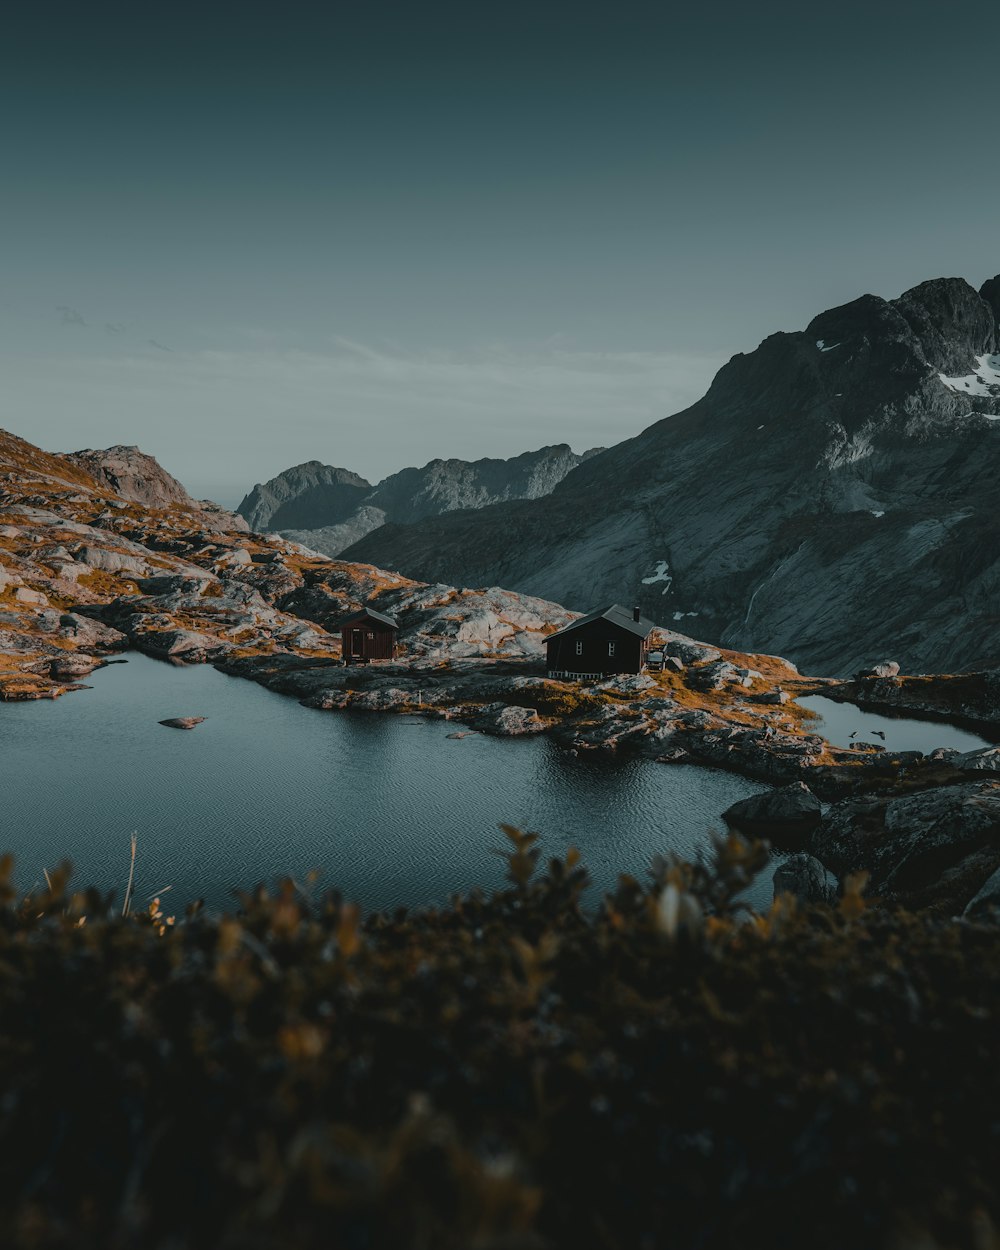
[805, 877]
[783, 815]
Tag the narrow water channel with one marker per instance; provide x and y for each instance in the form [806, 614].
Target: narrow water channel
[846, 725]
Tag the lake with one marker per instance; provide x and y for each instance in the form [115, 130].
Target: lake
[387, 807]
[837, 722]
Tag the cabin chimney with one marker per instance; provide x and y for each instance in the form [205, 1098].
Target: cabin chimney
[635, 613]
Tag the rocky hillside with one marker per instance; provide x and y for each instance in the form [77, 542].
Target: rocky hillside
[832, 495]
[139, 478]
[328, 509]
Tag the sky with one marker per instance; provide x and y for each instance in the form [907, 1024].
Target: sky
[244, 235]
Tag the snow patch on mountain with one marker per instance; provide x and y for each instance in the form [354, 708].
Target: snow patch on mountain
[984, 379]
[660, 574]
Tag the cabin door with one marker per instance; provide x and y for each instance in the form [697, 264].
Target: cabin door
[357, 643]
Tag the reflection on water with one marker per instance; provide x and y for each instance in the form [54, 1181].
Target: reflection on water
[388, 808]
[845, 725]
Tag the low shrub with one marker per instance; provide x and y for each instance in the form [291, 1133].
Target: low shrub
[508, 1071]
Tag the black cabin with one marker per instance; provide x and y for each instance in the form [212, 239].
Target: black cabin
[368, 635]
[605, 641]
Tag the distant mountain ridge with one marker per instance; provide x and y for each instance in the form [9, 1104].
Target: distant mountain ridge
[329, 508]
[832, 496]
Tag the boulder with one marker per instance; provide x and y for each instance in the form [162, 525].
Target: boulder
[70, 667]
[628, 683]
[111, 561]
[984, 760]
[388, 699]
[805, 877]
[784, 815]
[34, 598]
[237, 556]
[174, 583]
[685, 649]
[181, 644]
[509, 721]
[887, 668]
[919, 848]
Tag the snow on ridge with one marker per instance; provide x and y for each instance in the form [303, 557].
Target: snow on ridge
[984, 379]
[821, 344]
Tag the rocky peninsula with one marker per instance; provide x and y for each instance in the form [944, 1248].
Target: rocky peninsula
[103, 551]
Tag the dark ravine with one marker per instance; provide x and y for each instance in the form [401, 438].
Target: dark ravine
[834, 493]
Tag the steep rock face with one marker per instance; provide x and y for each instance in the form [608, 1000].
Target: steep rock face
[328, 509]
[831, 496]
[448, 485]
[304, 497]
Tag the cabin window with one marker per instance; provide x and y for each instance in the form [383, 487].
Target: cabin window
[579, 648]
[371, 634]
[611, 648]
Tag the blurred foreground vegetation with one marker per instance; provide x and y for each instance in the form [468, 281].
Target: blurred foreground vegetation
[509, 1072]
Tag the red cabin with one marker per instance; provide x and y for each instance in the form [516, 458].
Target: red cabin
[367, 636]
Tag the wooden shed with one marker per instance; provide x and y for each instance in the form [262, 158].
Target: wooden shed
[368, 635]
[604, 642]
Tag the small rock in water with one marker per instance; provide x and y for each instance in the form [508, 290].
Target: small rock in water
[182, 722]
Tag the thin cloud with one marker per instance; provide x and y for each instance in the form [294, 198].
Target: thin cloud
[224, 419]
[69, 316]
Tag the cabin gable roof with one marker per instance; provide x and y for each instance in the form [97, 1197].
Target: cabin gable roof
[614, 614]
[369, 614]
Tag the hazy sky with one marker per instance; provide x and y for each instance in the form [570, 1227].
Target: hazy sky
[244, 235]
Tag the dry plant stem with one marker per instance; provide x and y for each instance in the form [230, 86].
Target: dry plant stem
[131, 875]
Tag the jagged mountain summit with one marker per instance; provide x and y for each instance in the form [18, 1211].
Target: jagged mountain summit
[833, 494]
[304, 497]
[327, 508]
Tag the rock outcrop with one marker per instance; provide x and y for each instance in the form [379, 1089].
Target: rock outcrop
[804, 877]
[785, 815]
[833, 490]
[933, 847]
[135, 476]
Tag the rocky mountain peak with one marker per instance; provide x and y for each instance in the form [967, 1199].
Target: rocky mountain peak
[951, 321]
[328, 509]
[304, 496]
[990, 292]
[132, 474]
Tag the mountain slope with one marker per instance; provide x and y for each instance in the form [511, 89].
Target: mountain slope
[306, 495]
[328, 509]
[832, 497]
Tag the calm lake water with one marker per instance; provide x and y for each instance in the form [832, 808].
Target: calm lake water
[388, 808]
[838, 721]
